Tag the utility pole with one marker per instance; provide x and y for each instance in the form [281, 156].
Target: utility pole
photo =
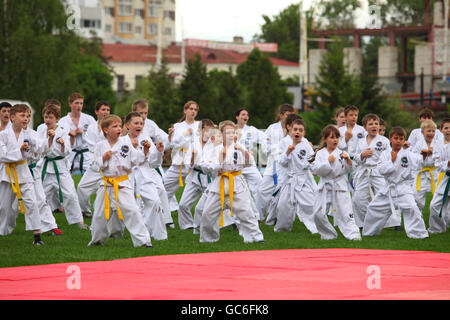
[444, 74]
[183, 46]
[303, 54]
[160, 35]
[5, 28]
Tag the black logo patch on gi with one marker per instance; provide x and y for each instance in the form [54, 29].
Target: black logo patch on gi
[124, 150]
[85, 127]
[360, 135]
[379, 146]
[404, 162]
[302, 153]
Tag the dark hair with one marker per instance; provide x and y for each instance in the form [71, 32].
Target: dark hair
[350, 108]
[101, 103]
[52, 109]
[382, 122]
[328, 131]
[238, 112]
[207, 123]
[298, 121]
[52, 101]
[398, 131]
[75, 96]
[131, 115]
[370, 116]
[290, 118]
[446, 120]
[285, 107]
[426, 113]
[5, 105]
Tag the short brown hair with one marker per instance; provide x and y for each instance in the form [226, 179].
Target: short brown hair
[75, 96]
[446, 120]
[426, 113]
[139, 103]
[298, 121]
[131, 115]
[107, 120]
[52, 101]
[226, 123]
[370, 116]
[397, 131]
[339, 111]
[52, 109]
[350, 108]
[207, 123]
[17, 108]
[101, 103]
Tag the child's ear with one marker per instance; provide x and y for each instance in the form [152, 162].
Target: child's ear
[213, 138]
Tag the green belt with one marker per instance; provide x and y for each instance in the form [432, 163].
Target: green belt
[55, 167]
[31, 167]
[159, 172]
[78, 152]
[447, 188]
[199, 178]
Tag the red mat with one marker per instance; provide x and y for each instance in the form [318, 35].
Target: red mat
[249, 275]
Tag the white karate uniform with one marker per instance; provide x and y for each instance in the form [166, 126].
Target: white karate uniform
[50, 182]
[440, 213]
[182, 147]
[416, 135]
[299, 189]
[149, 188]
[48, 221]
[10, 153]
[397, 194]
[80, 150]
[124, 158]
[334, 193]
[91, 179]
[368, 180]
[427, 176]
[269, 183]
[241, 206]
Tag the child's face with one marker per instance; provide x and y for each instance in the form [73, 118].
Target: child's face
[76, 105]
[397, 141]
[218, 138]
[242, 118]
[446, 130]
[297, 132]
[143, 112]
[332, 141]
[230, 135]
[4, 114]
[102, 111]
[372, 127]
[340, 119]
[382, 130]
[351, 117]
[113, 130]
[135, 126]
[50, 120]
[21, 119]
[428, 134]
[191, 112]
[205, 131]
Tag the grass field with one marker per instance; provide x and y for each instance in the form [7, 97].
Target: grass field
[17, 249]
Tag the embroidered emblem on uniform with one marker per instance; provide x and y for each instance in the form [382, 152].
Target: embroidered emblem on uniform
[404, 162]
[360, 135]
[302, 153]
[235, 157]
[85, 127]
[125, 150]
[379, 144]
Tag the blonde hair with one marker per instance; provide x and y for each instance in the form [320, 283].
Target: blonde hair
[107, 120]
[427, 124]
[226, 123]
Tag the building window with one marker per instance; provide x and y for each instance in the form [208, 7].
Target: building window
[152, 28]
[169, 15]
[138, 77]
[125, 27]
[138, 30]
[125, 8]
[109, 11]
[168, 31]
[139, 13]
[120, 83]
[108, 28]
[154, 8]
[85, 23]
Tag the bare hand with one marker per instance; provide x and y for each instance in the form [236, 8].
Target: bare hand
[135, 142]
[290, 149]
[331, 158]
[107, 155]
[159, 146]
[78, 131]
[367, 153]
[348, 135]
[60, 141]
[50, 133]
[24, 146]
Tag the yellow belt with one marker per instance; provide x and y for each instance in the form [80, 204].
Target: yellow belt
[15, 184]
[115, 183]
[230, 176]
[430, 170]
[181, 167]
[441, 176]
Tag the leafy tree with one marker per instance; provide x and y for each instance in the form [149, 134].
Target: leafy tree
[262, 89]
[402, 12]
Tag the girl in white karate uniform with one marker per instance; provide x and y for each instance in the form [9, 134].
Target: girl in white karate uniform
[116, 158]
[398, 167]
[332, 165]
[229, 190]
[274, 133]
[148, 185]
[298, 191]
[185, 133]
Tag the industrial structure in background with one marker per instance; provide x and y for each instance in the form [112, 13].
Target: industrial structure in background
[428, 85]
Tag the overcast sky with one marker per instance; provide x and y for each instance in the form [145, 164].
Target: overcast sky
[220, 20]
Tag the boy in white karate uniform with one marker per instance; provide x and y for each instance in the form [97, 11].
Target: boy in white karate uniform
[229, 190]
[332, 165]
[148, 185]
[90, 181]
[439, 219]
[16, 181]
[416, 134]
[367, 179]
[5, 122]
[398, 166]
[426, 179]
[55, 173]
[298, 191]
[196, 181]
[274, 133]
[116, 158]
[76, 124]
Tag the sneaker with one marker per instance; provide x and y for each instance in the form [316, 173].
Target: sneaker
[38, 242]
[170, 225]
[398, 228]
[148, 246]
[262, 241]
[357, 238]
[87, 214]
[57, 232]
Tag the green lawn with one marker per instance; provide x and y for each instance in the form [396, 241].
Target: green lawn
[17, 249]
